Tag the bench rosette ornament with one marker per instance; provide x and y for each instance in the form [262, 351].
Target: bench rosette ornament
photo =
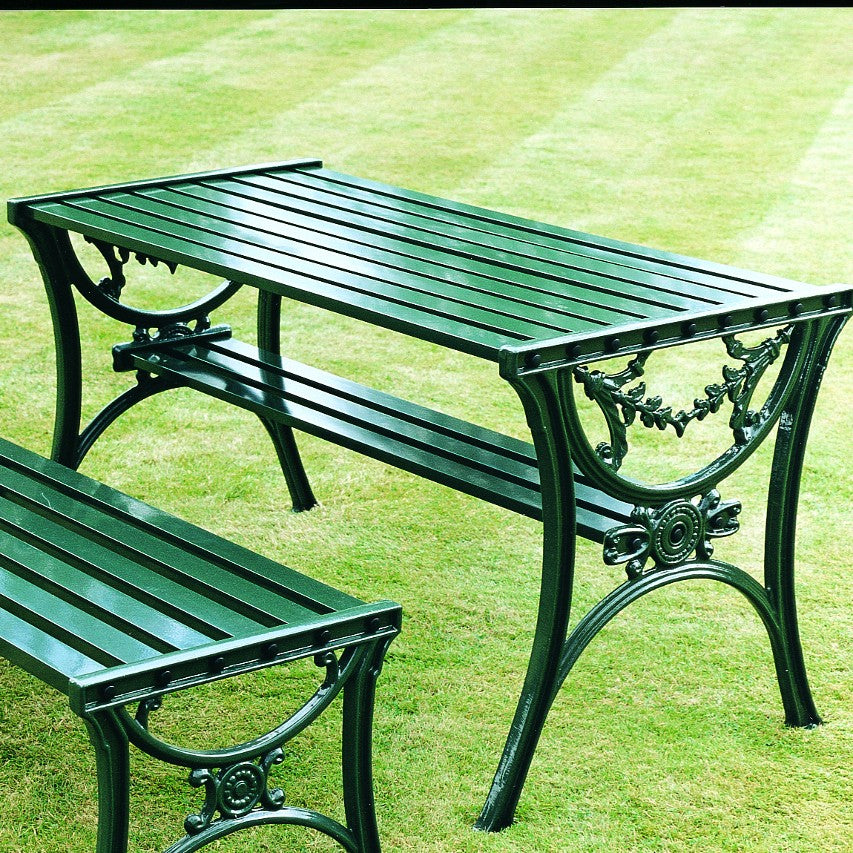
[670, 534]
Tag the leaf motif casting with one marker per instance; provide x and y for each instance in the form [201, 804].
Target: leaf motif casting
[622, 407]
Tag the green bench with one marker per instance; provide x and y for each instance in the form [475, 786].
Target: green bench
[545, 305]
[117, 604]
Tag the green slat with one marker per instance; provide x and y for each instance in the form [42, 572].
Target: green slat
[140, 602]
[431, 326]
[471, 459]
[321, 263]
[41, 654]
[79, 629]
[531, 301]
[233, 590]
[109, 504]
[558, 266]
[631, 251]
[588, 296]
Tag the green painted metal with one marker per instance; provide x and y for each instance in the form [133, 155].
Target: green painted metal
[115, 603]
[542, 302]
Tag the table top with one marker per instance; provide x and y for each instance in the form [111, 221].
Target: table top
[465, 277]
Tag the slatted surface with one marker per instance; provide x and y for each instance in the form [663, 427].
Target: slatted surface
[469, 458]
[462, 276]
[90, 578]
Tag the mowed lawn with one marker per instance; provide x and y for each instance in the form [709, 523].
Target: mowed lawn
[719, 133]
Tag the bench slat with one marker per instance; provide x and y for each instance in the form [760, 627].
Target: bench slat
[64, 618]
[139, 619]
[696, 270]
[471, 459]
[42, 654]
[589, 296]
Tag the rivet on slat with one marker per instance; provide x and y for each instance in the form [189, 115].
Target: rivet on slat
[831, 301]
[323, 637]
[762, 314]
[373, 624]
[217, 664]
[535, 360]
[574, 351]
[690, 329]
[109, 692]
[651, 336]
[797, 309]
[163, 678]
[270, 651]
[613, 344]
[726, 320]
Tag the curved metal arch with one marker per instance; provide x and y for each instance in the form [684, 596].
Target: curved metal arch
[337, 674]
[144, 389]
[706, 478]
[598, 616]
[285, 816]
[138, 317]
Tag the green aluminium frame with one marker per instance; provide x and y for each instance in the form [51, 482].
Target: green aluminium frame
[541, 302]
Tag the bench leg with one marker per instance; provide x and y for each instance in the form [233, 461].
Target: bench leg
[57, 278]
[783, 495]
[357, 762]
[269, 339]
[113, 766]
[542, 408]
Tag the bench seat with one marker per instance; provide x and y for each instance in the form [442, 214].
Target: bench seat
[111, 602]
[478, 461]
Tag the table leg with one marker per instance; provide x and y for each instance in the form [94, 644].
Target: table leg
[556, 431]
[49, 255]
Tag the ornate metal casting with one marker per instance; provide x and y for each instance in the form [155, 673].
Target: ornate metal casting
[670, 534]
[116, 257]
[235, 790]
[622, 407]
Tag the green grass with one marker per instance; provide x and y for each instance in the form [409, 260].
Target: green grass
[723, 133]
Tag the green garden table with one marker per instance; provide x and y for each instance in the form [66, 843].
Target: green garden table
[543, 303]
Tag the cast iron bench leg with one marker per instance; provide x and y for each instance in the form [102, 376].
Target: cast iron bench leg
[782, 499]
[269, 339]
[112, 760]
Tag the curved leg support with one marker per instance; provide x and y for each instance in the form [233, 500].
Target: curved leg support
[541, 404]
[357, 761]
[269, 319]
[49, 254]
[113, 767]
[147, 386]
[782, 502]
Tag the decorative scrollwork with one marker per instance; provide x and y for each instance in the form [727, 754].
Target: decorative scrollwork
[622, 407]
[116, 257]
[670, 534]
[236, 790]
